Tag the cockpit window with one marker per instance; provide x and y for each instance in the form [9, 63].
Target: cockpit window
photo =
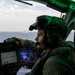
[70, 36]
[17, 17]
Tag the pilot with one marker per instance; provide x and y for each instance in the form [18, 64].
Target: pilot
[56, 58]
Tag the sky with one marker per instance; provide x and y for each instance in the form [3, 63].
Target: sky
[16, 16]
[71, 36]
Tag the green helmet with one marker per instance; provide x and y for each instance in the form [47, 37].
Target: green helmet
[54, 27]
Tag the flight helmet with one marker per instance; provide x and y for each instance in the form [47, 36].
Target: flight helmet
[55, 29]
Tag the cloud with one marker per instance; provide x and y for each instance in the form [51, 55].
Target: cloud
[18, 16]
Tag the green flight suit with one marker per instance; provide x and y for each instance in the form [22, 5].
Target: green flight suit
[59, 63]
[56, 62]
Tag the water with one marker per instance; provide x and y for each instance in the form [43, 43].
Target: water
[27, 35]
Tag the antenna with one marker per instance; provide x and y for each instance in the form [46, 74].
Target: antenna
[22, 1]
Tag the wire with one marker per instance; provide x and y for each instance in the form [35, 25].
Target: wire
[24, 2]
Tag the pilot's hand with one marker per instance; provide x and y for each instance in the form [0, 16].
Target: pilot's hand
[18, 41]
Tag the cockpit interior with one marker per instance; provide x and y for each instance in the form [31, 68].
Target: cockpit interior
[13, 57]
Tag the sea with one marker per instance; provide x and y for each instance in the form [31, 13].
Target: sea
[23, 35]
[27, 35]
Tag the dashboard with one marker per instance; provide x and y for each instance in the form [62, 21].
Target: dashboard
[12, 57]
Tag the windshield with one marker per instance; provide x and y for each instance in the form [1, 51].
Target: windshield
[70, 36]
[16, 16]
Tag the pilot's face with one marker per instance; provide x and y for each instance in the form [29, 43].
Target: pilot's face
[39, 38]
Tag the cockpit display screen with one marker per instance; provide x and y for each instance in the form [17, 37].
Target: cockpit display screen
[26, 55]
[8, 57]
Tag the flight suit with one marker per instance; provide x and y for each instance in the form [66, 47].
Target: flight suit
[56, 62]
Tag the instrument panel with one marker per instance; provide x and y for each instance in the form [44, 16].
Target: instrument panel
[12, 57]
